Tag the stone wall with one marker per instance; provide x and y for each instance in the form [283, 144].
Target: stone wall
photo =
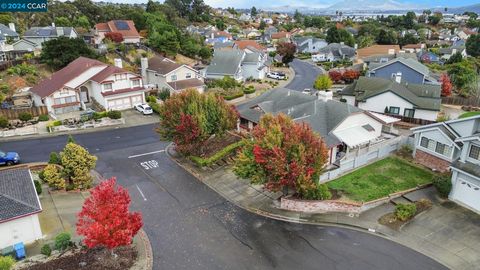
[319, 206]
[431, 161]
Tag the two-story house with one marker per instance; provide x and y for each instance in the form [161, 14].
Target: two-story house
[390, 96]
[7, 35]
[409, 70]
[226, 63]
[163, 73]
[453, 145]
[125, 27]
[309, 44]
[85, 81]
[38, 35]
[334, 52]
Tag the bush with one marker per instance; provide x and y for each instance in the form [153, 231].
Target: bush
[405, 211]
[38, 187]
[46, 250]
[321, 192]
[155, 107]
[62, 241]
[443, 184]
[99, 115]
[249, 90]
[54, 177]
[233, 96]
[203, 162]
[41, 175]
[114, 114]
[6, 263]
[25, 116]
[3, 121]
[43, 117]
[57, 123]
[151, 99]
[54, 158]
[164, 94]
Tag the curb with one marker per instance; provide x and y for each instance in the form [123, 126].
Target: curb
[148, 249]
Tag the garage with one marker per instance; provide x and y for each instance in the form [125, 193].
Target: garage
[123, 103]
[467, 194]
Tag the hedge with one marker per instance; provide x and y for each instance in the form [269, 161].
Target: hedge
[234, 96]
[249, 91]
[155, 106]
[203, 162]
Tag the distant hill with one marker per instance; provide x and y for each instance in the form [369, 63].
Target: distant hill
[460, 10]
[371, 5]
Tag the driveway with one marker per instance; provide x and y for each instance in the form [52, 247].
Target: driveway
[305, 75]
[192, 227]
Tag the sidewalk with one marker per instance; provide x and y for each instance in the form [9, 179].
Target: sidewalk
[446, 233]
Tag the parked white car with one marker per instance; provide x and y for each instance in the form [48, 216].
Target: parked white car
[307, 91]
[143, 108]
[276, 75]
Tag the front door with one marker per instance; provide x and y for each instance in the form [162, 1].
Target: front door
[84, 95]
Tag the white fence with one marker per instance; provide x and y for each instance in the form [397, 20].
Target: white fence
[364, 157]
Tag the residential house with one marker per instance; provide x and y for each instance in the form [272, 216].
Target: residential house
[380, 59]
[428, 57]
[213, 37]
[163, 73]
[268, 20]
[280, 37]
[453, 145]
[334, 52]
[88, 82]
[418, 101]
[249, 46]
[342, 126]
[414, 48]
[7, 36]
[252, 33]
[20, 208]
[255, 65]
[226, 63]
[309, 44]
[377, 50]
[38, 35]
[267, 33]
[412, 32]
[22, 47]
[446, 53]
[245, 17]
[125, 27]
[404, 70]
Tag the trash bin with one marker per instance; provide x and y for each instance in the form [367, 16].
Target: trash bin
[8, 251]
[19, 250]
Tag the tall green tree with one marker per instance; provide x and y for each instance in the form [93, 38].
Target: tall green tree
[335, 35]
[57, 53]
[473, 45]
[253, 12]
[387, 37]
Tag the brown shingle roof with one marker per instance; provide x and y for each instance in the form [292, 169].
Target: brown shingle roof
[122, 91]
[376, 49]
[162, 65]
[105, 73]
[242, 44]
[280, 35]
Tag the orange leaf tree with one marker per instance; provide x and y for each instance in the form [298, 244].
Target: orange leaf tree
[105, 219]
[446, 85]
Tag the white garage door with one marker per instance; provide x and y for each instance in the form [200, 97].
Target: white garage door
[468, 194]
[123, 103]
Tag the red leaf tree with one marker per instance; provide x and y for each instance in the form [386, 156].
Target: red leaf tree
[114, 36]
[335, 75]
[282, 153]
[446, 85]
[349, 75]
[105, 219]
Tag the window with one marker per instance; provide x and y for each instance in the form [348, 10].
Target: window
[188, 75]
[424, 142]
[394, 110]
[173, 77]
[440, 148]
[63, 100]
[474, 152]
[135, 83]
[120, 77]
[409, 113]
[107, 86]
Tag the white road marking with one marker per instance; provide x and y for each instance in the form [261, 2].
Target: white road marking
[141, 193]
[149, 153]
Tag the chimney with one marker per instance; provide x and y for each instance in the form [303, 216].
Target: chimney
[53, 24]
[391, 51]
[118, 62]
[144, 66]
[342, 43]
[12, 27]
[60, 32]
[454, 51]
[398, 77]
[355, 46]
[325, 95]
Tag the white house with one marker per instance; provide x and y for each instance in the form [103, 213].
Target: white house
[226, 63]
[419, 101]
[20, 208]
[334, 52]
[309, 44]
[254, 65]
[163, 73]
[85, 81]
[453, 145]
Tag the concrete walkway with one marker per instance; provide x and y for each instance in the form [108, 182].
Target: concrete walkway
[447, 233]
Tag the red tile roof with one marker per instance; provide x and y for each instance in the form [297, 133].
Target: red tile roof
[242, 44]
[280, 35]
[122, 91]
[111, 27]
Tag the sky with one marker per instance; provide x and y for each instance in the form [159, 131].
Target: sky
[311, 3]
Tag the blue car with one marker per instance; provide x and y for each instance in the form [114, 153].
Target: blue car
[9, 158]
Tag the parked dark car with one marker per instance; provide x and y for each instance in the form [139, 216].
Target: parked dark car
[9, 158]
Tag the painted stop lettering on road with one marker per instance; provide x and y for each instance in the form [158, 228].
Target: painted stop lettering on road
[151, 164]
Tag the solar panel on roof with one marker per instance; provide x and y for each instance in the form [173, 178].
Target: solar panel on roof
[44, 32]
[122, 25]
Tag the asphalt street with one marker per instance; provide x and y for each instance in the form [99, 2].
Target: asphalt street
[305, 75]
[192, 227]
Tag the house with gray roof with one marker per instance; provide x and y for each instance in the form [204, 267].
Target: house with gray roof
[19, 208]
[226, 63]
[309, 44]
[405, 70]
[446, 53]
[390, 96]
[454, 146]
[342, 126]
[334, 52]
[7, 36]
[38, 35]
[255, 65]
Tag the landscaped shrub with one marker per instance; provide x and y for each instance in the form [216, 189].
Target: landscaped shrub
[57, 123]
[443, 184]
[54, 158]
[3, 121]
[233, 96]
[54, 177]
[155, 106]
[202, 162]
[6, 263]
[38, 187]
[41, 175]
[46, 250]
[164, 94]
[43, 117]
[151, 99]
[405, 211]
[99, 115]
[249, 90]
[62, 241]
[25, 116]
[321, 192]
[114, 114]
[424, 204]
[77, 163]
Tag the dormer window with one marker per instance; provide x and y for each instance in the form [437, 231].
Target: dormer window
[474, 152]
[120, 77]
[107, 87]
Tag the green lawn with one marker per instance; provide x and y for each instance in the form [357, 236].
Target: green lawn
[381, 178]
[468, 114]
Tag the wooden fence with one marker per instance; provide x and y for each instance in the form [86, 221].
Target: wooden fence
[461, 101]
[415, 121]
[14, 113]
